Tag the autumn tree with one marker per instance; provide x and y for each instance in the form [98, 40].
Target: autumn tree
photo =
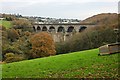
[12, 34]
[42, 45]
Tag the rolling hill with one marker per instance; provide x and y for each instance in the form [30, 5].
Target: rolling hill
[103, 19]
[83, 64]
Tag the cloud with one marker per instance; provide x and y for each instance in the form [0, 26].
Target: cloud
[42, 1]
[25, 3]
[49, 1]
[59, 8]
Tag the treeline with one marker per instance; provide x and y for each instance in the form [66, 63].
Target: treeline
[10, 17]
[88, 39]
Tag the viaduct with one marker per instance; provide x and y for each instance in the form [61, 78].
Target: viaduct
[62, 27]
[62, 31]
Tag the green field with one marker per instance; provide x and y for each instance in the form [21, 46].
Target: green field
[84, 64]
[6, 24]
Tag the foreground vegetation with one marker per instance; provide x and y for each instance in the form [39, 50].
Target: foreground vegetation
[84, 64]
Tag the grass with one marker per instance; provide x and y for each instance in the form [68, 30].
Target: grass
[83, 64]
[6, 24]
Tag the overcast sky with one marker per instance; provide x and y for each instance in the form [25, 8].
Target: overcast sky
[79, 9]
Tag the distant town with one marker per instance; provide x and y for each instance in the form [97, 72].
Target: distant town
[43, 20]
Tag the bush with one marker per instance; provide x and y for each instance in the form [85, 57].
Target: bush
[62, 48]
[11, 57]
[42, 45]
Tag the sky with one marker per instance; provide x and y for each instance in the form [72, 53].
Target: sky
[71, 9]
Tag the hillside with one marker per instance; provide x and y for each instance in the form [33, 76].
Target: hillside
[6, 24]
[73, 65]
[103, 19]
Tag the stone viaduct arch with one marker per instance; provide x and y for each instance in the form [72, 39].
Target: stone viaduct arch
[52, 29]
[44, 28]
[61, 29]
[38, 28]
[82, 28]
[70, 29]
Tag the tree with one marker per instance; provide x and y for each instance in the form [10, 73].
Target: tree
[23, 45]
[42, 45]
[22, 24]
[12, 34]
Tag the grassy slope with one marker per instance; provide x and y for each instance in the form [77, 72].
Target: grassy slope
[78, 64]
[6, 24]
[103, 18]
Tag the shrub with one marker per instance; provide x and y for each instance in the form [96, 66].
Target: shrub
[11, 57]
[62, 48]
